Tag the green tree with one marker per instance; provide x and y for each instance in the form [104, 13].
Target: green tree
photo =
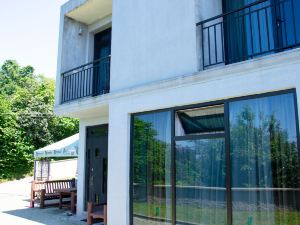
[27, 121]
[15, 151]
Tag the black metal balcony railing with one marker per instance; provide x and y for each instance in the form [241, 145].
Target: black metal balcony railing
[260, 28]
[90, 79]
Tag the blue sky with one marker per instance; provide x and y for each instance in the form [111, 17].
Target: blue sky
[29, 33]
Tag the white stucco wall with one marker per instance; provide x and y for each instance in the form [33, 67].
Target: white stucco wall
[237, 80]
[75, 39]
[152, 40]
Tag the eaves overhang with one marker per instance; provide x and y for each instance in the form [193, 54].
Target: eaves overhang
[88, 11]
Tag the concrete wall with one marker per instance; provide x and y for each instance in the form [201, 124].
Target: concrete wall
[74, 44]
[72, 47]
[151, 41]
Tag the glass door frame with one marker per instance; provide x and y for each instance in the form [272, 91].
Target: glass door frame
[228, 169]
[226, 135]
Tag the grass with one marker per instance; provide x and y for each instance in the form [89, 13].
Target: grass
[217, 216]
[16, 178]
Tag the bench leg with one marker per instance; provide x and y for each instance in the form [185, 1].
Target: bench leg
[73, 202]
[31, 204]
[105, 214]
[42, 200]
[32, 199]
[32, 194]
[60, 200]
[89, 220]
[89, 211]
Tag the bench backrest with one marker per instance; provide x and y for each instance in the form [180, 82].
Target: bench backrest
[50, 186]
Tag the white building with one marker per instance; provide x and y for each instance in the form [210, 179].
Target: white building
[188, 108]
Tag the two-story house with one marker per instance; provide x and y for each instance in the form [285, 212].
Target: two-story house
[188, 109]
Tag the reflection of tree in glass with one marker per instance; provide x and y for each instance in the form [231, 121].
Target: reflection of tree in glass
[263, 154]
[151, 167]
[149, 154]
[200, 163]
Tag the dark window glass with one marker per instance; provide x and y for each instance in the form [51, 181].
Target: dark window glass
[260, 29]
[200, 120]
[249, 32]
[200, 182]
[102, 44]
[264, 161]
[101, 68]
[152, 169]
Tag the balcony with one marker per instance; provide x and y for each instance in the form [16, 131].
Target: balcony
[261, 28]
[91, 79]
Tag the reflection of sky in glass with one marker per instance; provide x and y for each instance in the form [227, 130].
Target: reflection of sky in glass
[281, 106]
[160, 122]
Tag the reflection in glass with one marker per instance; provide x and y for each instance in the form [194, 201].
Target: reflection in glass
[264, 161]
[152, 169]
[200, 182]
[200, 120]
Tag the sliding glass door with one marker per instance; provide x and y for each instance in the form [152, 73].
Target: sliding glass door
[200, 182]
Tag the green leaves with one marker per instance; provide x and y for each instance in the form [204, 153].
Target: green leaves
[27, 121]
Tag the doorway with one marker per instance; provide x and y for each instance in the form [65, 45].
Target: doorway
[102, 51]
[96, 164]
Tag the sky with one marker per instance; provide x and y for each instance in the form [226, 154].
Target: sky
[29, 33]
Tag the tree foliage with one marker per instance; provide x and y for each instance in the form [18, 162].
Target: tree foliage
[27, 121]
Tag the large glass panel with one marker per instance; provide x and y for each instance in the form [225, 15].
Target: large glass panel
[264, 161]
[152, 169]
[200, 182]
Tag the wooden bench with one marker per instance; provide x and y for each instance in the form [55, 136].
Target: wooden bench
[96, 212]
[42, 191]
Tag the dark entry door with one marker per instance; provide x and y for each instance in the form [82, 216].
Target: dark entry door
[96, 167]
[102, 51]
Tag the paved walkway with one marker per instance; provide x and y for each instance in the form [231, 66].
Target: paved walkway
[14, 208]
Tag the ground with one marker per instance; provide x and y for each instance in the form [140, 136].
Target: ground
[14, 208]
